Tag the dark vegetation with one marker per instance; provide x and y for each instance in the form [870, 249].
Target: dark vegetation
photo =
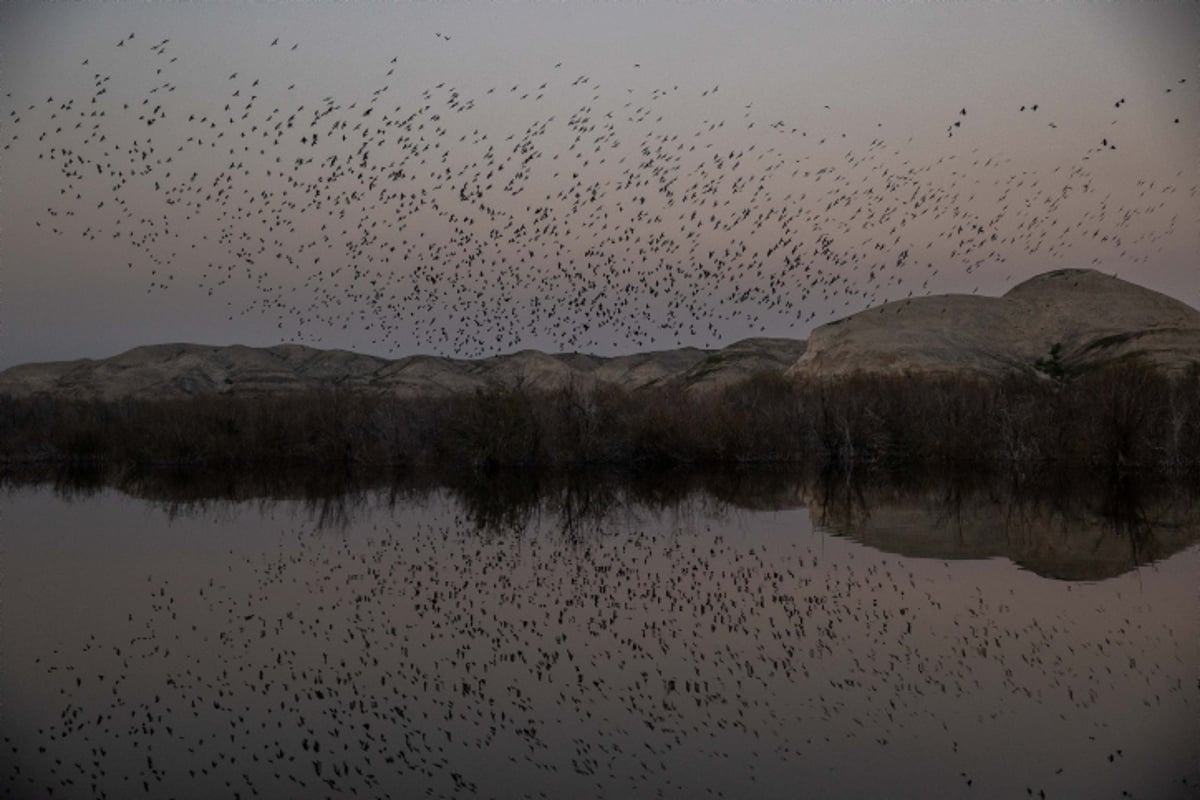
[1128, 417]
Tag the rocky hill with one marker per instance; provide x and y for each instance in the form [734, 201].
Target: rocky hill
[1055, 325]
[185, 370]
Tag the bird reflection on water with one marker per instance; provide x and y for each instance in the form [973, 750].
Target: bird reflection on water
[522, 633]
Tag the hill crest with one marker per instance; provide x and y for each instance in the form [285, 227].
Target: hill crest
[1054, 324]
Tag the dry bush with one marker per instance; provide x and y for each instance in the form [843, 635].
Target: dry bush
[1126, 417]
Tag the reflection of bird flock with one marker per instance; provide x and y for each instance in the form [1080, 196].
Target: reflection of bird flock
[602, 217]
[415, 657]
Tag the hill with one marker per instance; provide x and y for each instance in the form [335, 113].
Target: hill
[166, 371]
[1055, 325]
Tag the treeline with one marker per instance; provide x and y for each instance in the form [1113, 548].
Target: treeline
[1125, 417]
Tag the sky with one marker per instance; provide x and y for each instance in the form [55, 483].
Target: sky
[467, 179]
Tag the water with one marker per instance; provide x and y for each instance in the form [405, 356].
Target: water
[733, 636]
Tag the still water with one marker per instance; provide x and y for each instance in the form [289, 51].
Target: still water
[727, 638]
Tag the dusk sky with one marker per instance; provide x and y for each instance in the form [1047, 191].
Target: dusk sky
[601, 177]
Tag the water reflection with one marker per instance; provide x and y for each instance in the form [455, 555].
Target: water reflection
[596, 636]
[1068, 525]
[1065, 525]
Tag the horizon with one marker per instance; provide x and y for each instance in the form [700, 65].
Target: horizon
[484, 180]
[717, 348]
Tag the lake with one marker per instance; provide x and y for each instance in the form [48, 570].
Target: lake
[734, 635]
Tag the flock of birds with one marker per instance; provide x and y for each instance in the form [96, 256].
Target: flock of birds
[670, 654]
[468, 221]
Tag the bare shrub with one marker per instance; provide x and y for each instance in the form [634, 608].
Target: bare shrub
[1126, 417]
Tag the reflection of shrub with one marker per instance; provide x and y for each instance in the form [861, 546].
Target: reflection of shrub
[1124, 416]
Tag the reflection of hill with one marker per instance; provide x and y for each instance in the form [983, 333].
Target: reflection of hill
[1084, 531]
[1063, 527]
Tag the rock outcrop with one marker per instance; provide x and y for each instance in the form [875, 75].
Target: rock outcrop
[1059, 323]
